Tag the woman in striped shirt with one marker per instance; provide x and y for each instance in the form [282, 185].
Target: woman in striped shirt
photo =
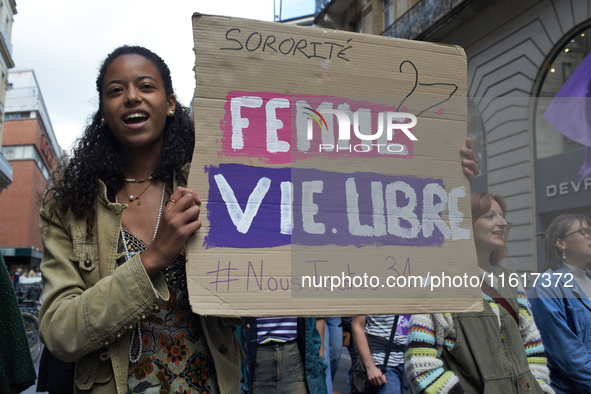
[371, 334]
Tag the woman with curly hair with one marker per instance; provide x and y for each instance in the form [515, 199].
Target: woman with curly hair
[114, 224]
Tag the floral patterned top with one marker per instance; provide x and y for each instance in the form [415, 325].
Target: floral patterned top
[175, 357]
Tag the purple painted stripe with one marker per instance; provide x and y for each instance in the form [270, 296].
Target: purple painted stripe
[327, 191]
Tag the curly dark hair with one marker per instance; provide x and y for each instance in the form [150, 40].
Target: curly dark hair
[98, 155]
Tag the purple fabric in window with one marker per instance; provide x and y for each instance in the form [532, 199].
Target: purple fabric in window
[570, 111]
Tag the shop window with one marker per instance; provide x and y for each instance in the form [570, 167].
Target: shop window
[25, 152]
[388, 8]
[8, 152]
[568, 55]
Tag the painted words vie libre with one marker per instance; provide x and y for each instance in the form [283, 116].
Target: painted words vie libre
[250, 207]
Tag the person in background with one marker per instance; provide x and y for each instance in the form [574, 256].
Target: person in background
[55, 376]
[16, 277]
[498, 350]
[349, 343]
[114, 224]
[282, 356]
[34, 273]
[372, 334]
[560, 302]
[331, 333]
[268, 340]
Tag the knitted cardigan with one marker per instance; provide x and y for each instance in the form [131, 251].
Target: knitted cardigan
[429, 333]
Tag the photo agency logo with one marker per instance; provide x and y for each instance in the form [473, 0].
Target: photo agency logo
[386, 121]
[286, 128]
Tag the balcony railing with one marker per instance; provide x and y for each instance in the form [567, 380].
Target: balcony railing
[321, 5]
[424, 15]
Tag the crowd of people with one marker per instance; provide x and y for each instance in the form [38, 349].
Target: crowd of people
[115, 222]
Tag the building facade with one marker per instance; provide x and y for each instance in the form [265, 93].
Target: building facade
[519, 53]
[7, 12]
[30, 146]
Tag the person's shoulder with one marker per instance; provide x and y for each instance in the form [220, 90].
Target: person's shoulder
[547, 284]
[49, 210]
[502, 269]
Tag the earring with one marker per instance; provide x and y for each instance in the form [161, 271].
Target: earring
[563, 255]
[102, 121]
[171, 113]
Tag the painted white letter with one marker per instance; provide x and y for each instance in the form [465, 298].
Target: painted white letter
[286, 207]
[242, 220]
[274, 124]
[309, 209]
[396, 212]
[455, 216]
[238, 122]
[377, 199]
[431, 211]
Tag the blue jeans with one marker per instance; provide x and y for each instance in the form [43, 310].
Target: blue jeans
[393, 380]
[333, 347]
[279, 369]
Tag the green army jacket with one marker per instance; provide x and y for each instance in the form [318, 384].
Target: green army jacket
[89, 307]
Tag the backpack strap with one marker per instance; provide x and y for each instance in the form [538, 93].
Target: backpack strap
[389, 347]
[492, 293]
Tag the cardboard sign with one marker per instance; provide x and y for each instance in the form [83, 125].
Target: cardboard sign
[328, 163]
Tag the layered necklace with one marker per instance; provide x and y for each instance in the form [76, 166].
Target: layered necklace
[129, 255]
[133, 180]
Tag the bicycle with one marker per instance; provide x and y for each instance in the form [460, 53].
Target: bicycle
[28, 297]
[31, 321]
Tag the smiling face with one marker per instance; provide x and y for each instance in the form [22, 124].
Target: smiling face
[489, 229]
[134, 102]
[576, 246]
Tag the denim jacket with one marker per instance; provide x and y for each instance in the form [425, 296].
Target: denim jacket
[90, 308]
[563, 316]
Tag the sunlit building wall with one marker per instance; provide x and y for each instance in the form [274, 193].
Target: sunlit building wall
[519, 53]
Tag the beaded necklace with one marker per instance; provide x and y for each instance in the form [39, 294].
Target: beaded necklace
[142, 180]
[128, 256]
